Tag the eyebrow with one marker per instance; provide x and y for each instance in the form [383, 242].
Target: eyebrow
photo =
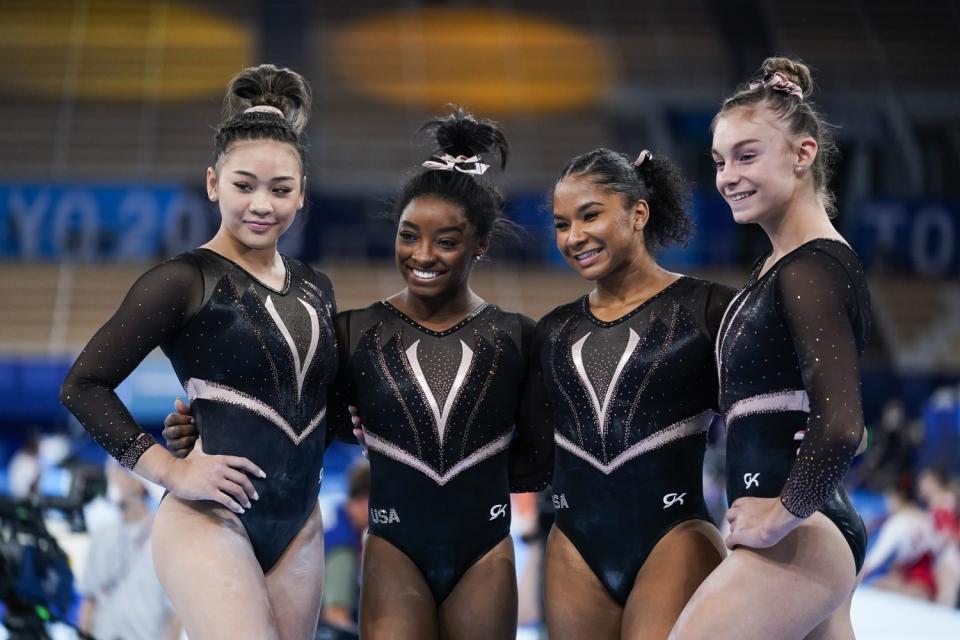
[587, 205]
[440, 230]
[254, 176]
[738, 145]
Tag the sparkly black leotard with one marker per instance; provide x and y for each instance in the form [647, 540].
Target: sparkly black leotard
[632, 399]
[439, 411]
[788, 360]
[255, 362]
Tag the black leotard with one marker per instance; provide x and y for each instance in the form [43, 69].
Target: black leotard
[439, 410]
[255, 362]
[788, 359]
[632, 399]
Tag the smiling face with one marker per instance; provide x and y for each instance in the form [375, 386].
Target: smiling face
[757, 163]
[259, 186]
[435, 247]
[596, 232]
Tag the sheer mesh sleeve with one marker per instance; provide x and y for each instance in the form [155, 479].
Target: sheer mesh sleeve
[819, 304]
[531, 452]
[718, 299]
[340, 392]
[157, 306]
[715, 305]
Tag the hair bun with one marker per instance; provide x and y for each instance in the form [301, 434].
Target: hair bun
[792, 69]
[462, 134]
[268, 85]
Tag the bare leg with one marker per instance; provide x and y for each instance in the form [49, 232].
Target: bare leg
[483, 605]
[837, 627]
[295, 582]
[577, 605]
[670, 575]
[206, 565]
[782, 592]
[395, 600]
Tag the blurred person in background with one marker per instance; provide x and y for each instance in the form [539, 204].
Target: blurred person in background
[526, 527]
[238, 546]
[893, 448]
[788, 356]
[55, 447]
[941, 500]
[343, 545]
[902, 556]
[24, 468]
[122, 597]
[632, 383]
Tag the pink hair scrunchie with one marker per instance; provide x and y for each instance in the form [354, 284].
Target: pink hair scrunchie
[778, 82]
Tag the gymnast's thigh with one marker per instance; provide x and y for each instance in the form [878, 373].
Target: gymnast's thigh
[577, 605]
[207, 567]
[483, 605]
[679, 562]
[395, 600]
[295, 582]
[785, 591]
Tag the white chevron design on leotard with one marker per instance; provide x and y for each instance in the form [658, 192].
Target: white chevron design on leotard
[440, 416]
[687, 427]
[205, 390]
[387, 448]
[601, 409]
[300, 368]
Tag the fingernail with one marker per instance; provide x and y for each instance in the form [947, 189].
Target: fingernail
[192, 421]
[256, 496]
[241, 510]
[263, 475]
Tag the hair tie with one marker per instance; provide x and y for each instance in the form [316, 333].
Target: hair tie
[463, 164]
[643, 157]
[778, 82]
[264, 108]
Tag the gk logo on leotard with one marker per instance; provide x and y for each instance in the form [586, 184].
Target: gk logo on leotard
[384, 516]
[750, 480]
[497, 511]
[560, 501]
[673, 498]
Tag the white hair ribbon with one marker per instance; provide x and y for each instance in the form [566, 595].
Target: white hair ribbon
[463, 164]
[264, 108]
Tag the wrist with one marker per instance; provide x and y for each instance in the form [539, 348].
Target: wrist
[786, 517]
[156, 465]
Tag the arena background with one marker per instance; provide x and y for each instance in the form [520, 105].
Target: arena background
[106, 116]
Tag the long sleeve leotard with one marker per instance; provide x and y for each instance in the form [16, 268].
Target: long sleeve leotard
[255, 362]
[788, 360]
[632, 399]
[449, 427]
